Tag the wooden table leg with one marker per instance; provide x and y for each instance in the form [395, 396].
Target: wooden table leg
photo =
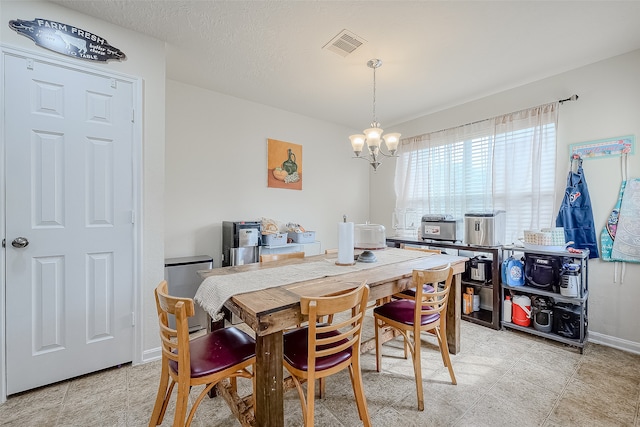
[454, 314]
[269, 400]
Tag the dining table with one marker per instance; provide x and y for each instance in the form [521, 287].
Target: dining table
[266, 297]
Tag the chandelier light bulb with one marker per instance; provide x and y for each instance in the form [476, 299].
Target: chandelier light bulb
[357, 142]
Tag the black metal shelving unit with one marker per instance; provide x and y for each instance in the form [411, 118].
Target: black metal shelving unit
[484, 317]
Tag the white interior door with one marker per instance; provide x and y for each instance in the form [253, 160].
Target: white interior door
[69, 194]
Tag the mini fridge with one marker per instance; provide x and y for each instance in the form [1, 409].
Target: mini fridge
[182, 277]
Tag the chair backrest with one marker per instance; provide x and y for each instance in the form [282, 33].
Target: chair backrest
[421, 249]
[276, 257]
[433, 302]
[328, 339]
[175, 342]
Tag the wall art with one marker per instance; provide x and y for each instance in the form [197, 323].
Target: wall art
[604, 147]
[67, 40]
[284, 165]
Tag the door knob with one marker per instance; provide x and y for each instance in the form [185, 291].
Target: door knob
[20, 242]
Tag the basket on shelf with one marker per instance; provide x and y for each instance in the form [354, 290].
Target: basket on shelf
[546, 238]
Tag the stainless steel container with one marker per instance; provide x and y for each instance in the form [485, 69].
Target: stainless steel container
[485, 229]
[183, 280]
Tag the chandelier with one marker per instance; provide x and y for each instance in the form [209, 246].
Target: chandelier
[373, 136]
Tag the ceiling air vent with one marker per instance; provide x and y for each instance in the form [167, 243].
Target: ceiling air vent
[344, 43]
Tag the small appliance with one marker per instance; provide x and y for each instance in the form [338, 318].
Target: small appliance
[485, 229]
[542, 314]
[441, 227]
[570, 280]
[241, 242]
[479, 268]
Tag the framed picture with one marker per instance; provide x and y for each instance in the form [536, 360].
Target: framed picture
[604, 147]
[284, 165]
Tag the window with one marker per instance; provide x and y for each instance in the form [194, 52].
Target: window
[505, 163]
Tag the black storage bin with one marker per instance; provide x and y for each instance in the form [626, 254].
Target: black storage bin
[542, 271]
[566, 320]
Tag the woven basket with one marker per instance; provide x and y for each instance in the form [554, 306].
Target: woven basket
[545, 237]
[557, 235]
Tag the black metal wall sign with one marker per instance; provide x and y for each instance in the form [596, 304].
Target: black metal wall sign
[67, 39]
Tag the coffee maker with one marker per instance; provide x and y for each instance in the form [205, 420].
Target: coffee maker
[241, 242]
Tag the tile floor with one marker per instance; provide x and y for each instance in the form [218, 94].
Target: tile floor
[505, 378]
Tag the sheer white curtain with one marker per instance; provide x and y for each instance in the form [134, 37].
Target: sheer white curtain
[504, 163]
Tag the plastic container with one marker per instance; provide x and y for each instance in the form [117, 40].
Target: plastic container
[304, 237]
[506, 309]
[476, 302]
[277, 239]
[521, 310]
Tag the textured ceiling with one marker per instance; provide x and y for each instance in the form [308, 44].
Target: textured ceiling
[436, 54]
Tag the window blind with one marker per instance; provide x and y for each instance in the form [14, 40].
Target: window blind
[505, 163]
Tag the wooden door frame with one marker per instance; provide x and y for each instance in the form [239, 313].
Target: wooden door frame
[137, 297]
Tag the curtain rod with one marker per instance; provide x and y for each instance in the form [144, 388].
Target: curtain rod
[560, 101]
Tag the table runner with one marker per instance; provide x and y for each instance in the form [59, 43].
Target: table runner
[214, 291]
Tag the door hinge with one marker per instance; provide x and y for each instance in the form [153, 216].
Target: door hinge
[133, 318]
[133, 217]
[4, 243]
[29, 64]
[133, 115]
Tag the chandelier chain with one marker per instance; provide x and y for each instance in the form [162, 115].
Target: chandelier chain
[374, 98]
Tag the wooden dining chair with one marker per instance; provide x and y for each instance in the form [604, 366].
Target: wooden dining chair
[319, 350]
[421, 249]
[411, 292]
[276, 257]
[426, 312]
[221, 354]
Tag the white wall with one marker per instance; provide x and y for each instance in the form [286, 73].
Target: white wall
[216, 170]
[146, 60]
[608, 106]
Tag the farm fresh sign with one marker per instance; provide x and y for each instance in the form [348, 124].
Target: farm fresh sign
[67, 39]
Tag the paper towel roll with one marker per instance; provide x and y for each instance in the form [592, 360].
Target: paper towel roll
[345, 243]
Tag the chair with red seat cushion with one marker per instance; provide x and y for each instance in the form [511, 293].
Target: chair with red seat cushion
[225, 353]
[322, 349]
[426, 288]
[410, 318]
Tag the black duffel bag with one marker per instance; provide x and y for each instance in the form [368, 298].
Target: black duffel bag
[542, 271]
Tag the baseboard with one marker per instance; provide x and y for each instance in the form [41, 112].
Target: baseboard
[151, 355]
[609, 341]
